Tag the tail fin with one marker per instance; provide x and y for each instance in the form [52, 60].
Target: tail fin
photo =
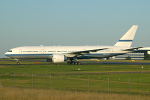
[127, 39]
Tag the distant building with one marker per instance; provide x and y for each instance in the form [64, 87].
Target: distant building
[134, 56]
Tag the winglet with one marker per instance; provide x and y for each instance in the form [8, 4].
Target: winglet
[127, 39]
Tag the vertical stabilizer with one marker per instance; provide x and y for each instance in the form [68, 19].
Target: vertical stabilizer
[127, 39]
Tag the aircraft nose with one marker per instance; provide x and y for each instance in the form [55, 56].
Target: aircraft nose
[6, 53]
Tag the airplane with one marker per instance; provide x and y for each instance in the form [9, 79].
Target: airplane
[57, 54]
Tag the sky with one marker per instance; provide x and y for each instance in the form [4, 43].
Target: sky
[71, 22]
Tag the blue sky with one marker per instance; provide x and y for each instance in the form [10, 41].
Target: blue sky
[71, 22]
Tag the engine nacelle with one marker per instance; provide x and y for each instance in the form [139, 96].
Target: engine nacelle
[58, 58]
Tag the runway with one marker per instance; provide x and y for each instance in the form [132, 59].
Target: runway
[117, 63]
[88, 62]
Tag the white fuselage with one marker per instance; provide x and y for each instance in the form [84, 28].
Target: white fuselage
[46, 52]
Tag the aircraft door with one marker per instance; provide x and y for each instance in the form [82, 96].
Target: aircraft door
[42, 51]
[20, 51]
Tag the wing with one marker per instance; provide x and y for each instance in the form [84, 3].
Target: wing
[136, 49]
[132, 49]
[86, 51]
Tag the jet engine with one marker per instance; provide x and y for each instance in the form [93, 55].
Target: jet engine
[58, 58]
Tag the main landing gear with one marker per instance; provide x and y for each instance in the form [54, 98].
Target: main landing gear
[74, 61]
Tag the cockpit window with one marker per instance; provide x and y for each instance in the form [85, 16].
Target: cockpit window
[10, 51]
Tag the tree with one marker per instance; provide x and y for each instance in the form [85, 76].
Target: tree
[146, 57]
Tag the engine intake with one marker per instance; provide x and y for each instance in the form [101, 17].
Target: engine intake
[58, 58]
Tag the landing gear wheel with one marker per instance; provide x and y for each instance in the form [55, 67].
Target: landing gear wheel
[78, 63]
[74, 63]
[69, 62]
[18, 63]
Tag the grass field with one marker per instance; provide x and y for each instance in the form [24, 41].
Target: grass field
[96, 79]
[45, 94]
[64, 68]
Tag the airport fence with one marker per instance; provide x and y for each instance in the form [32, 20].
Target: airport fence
[128, 83]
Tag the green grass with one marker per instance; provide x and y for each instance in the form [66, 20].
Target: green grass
[118, 83]
[51, 76]
[53, 68]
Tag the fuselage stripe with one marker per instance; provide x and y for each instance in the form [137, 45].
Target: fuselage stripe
[125, 40]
